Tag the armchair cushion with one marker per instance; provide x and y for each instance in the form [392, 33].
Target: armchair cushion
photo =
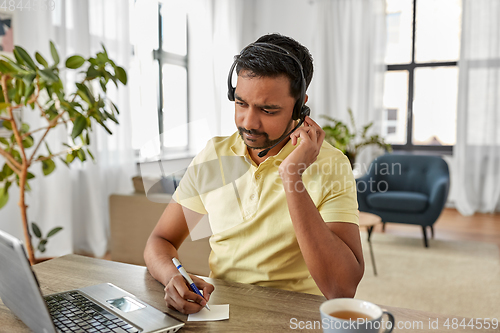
[400, 201]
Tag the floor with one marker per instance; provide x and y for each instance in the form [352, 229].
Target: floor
[451, 225]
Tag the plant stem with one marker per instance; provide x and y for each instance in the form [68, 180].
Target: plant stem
[11, 162]
[52, 124]
[44, 128]
[59, 153]
[22, 176]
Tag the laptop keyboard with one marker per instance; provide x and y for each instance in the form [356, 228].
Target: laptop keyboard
[75, 313]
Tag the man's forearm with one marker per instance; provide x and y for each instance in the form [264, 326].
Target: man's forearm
[158, 256]
[332, 264]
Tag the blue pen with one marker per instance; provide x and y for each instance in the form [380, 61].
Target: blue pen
[183, 272]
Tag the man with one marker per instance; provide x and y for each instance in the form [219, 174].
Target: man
[289, 220]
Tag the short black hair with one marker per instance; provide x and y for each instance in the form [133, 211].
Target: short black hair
[260, 62]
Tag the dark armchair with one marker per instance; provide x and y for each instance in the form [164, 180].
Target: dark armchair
[408, 189]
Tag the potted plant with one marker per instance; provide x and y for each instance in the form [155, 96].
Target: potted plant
[37, 86]
[351, 142]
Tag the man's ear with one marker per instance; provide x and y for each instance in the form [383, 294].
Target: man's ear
[305, 100]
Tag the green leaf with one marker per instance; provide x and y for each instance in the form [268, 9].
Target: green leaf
[41, 60]
[48, 149]
[30, 89]
[4, 141]
[113, 106]
[90, 154]
[25, 128]
[70, 158]
[30, 175]
[106, 128]
[4, 197]
[103, 85]
[87, 138]
[41, 245]
[7, 171]
[121, 74]
[15, 66]
[65, 163]
[110, 116]
[28, 78]
[48, 75]
[53, 231]
[26, 57]
[18, 57]
[84, 96]
[75, 62]
[4, 106]
[83, 88]
[78, 126]
[81, 155]
[101, 58]
[28, 142]
[92, 73]
[54, 53]
[105, 51]
[36, 230]
[20, 91]
[48, 166]
[5, 67]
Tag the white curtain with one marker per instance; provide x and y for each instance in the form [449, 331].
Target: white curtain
[215, 37]
[76, 198]
[477, 150]
[348, 50]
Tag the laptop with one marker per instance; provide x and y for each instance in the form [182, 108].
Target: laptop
[98, 308]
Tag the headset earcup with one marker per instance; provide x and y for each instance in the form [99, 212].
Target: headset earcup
[230, 94]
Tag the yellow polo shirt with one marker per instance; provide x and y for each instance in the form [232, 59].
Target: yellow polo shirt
[253, 237]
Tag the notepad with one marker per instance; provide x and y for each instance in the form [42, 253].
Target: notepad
[217, 312]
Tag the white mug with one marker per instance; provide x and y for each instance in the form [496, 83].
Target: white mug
[336, 325]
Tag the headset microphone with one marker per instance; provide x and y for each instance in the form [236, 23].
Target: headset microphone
[306, 111]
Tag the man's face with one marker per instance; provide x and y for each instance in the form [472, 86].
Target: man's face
[263, 109]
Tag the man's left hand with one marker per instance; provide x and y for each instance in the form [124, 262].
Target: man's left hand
[311, 138]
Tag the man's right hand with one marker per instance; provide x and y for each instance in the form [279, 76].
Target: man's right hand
[180, 297]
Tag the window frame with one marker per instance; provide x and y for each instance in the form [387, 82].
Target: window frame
[410, 68]
[164, 57]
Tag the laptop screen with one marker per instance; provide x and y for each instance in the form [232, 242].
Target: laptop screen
[19, 288]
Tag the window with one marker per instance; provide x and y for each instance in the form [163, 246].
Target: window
[421, 82]
[172, 67]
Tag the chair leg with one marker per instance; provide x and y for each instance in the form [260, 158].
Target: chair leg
[424, 230]
[432, 232]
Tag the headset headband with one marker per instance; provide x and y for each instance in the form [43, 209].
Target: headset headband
[299, 111]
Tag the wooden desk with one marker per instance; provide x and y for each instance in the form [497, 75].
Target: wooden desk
[252, 308]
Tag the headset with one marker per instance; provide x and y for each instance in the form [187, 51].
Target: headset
[300, 111]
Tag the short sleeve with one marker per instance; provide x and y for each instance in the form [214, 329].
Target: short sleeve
[187, 193]
[193, 184]
[340, 203]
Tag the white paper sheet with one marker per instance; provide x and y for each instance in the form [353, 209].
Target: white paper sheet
[217, 312]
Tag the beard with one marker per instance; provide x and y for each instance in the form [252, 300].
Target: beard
[267, 142]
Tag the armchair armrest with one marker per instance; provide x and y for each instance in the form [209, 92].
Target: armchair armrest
[439, 191]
